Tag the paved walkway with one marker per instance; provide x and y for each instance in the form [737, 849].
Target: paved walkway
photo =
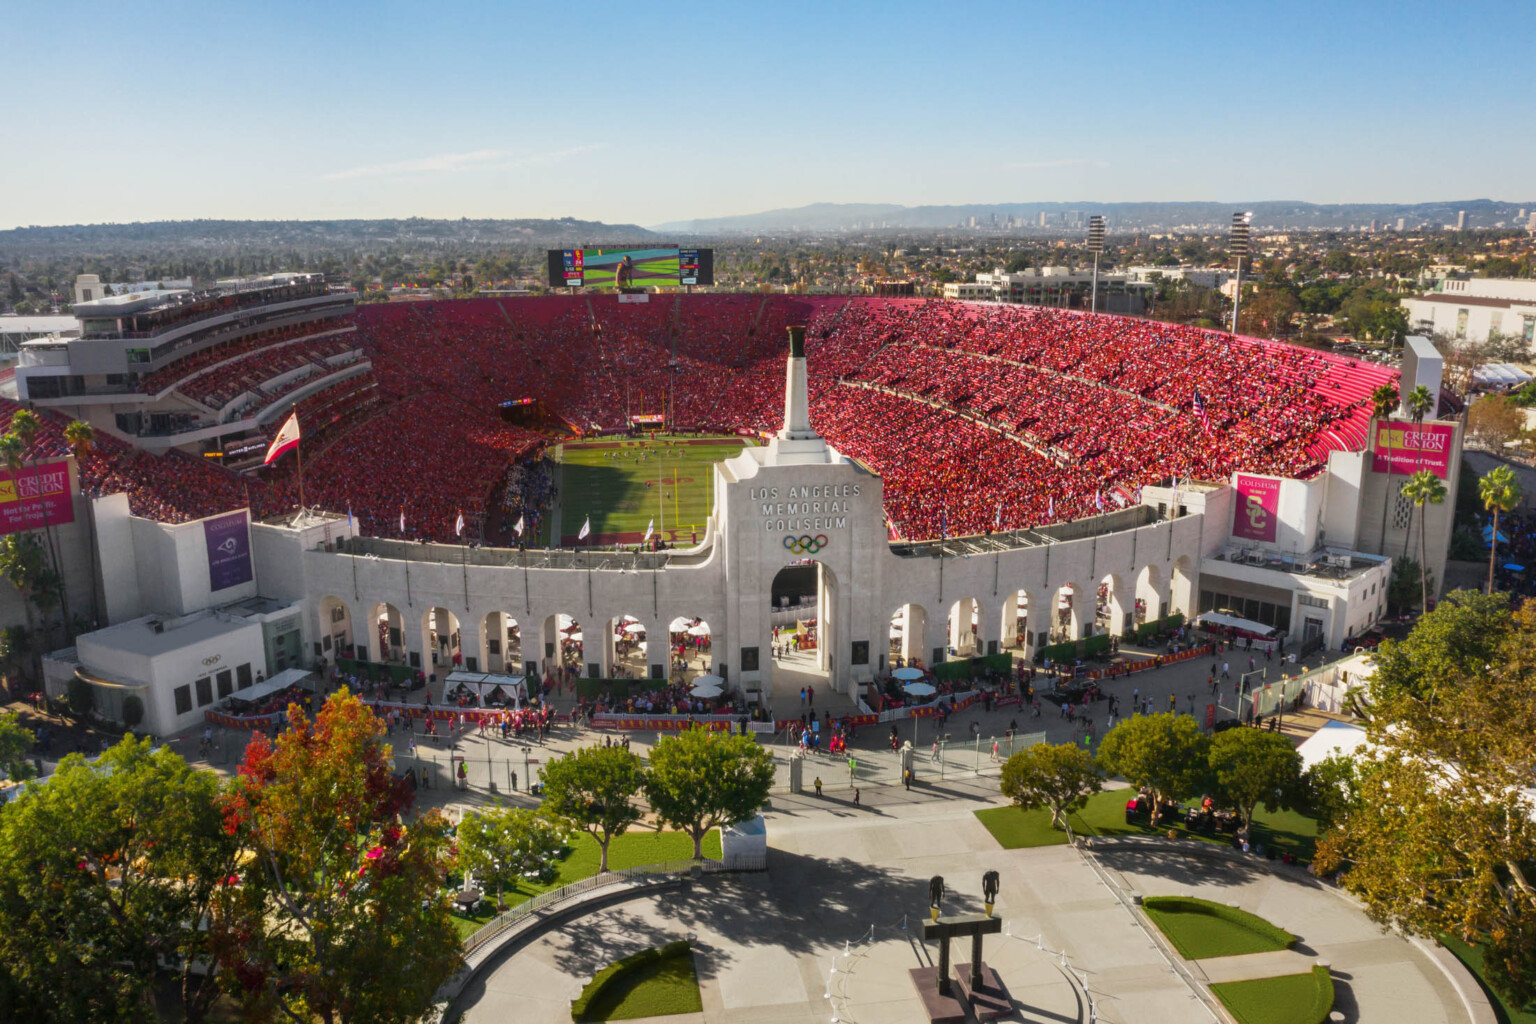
[847, 888]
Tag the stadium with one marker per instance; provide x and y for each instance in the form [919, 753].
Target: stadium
[498, 454]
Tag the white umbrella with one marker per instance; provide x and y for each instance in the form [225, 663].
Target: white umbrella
[706, 691]
[708, 680]
[634, 627]
[908, 673]
[699, 630]
[575, 636]
[642, 646]
[920, 689]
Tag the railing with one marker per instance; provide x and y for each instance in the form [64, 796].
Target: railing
[556, 896]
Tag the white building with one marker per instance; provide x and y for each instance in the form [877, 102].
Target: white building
[1055, 286]
[1200, 277]
[14, 330]
[1475, 310]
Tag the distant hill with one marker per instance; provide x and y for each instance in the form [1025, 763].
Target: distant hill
[303, 233]
[1280, 214]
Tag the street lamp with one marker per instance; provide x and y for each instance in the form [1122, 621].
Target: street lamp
[1095, 246]
[1240, 223]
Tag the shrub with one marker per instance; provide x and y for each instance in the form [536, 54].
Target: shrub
[133, 711]
[81, 698]
[618, 969]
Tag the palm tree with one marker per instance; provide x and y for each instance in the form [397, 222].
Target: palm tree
[81, 437]
[1424, 489]
[1419, 402]
[1500, 492]
[12, 451]
[1383, 400]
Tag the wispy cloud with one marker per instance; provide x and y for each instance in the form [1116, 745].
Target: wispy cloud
[448, 162]
[1036, 165]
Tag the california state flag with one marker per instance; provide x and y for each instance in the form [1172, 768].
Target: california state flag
[286, 439]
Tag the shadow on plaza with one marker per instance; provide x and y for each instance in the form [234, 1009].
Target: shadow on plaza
[1194, 866]
[799, 905]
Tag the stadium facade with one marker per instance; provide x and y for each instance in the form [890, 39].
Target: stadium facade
[198, 609]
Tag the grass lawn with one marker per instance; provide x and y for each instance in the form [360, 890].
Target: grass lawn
[1472, 956]
[1199, 928]
[624, 485]
[1289, 999]
[1104, 815]
[629, 850]
[667, 986]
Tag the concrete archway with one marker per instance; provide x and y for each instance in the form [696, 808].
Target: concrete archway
[692, 636]
[626, 647]
[1110, 606]
[1151, 594]
[908, 636]
[501, 647]
[808, 634]
[1182, 591]
[386, 633]
[963, 630]
[440, 640]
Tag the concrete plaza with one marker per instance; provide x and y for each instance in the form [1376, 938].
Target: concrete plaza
[846, 888]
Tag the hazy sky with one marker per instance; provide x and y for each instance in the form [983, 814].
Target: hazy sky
[644, 112]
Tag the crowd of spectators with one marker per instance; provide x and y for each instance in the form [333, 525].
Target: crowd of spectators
[977, 416]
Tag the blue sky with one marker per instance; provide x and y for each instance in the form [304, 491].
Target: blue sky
[647, 112]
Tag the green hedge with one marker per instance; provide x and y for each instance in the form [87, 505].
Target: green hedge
[965, 668]
[1071, 650]
[618, 969]
[619, 689]
[1147, 630]
[371, 669]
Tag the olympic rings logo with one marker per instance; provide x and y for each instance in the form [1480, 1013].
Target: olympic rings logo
[805, 544]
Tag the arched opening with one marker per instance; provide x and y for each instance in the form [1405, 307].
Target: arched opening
[627, 645]
[908, 636]
[335, 629]
[386, 637]
[1150, 595]
[1110, 607]
[804, 630]
[440, 636]
[501, 644]
[1015, 625]
[691, 647]
[570, 649]
[1072, 612]
[964, 629]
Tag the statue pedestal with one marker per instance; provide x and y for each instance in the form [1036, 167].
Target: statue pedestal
[941, 1008]
[989, 1000]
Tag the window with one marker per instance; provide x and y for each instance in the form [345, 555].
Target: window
[183, 699]
[226, 683]
[243, 676]
[204, 691]
[1312, 602]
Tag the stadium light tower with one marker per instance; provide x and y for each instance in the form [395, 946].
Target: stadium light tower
[1095, 246]
[1240, 223]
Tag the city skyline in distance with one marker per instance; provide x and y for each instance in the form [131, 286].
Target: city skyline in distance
[650, 117]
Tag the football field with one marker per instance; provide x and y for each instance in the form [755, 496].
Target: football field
[626, 484]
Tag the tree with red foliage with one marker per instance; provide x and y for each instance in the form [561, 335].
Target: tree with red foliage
[340, 916]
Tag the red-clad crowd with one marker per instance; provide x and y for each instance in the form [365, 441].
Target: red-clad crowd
[965, 409]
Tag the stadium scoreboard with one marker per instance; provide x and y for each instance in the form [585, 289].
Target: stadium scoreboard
[663, 266]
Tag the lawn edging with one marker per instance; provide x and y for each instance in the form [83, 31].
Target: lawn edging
[1272, 934]
[620, 969]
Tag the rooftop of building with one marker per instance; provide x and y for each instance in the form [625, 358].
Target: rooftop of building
[1321, 563]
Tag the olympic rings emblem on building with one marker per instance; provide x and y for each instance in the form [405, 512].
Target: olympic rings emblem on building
[805, 544]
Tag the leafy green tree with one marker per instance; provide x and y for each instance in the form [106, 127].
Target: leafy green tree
[1462, 636]
[1166, 753]
[1424, 489]
[1251, 767]
[339, 917]
[15, 741]
[1500, 492]
[702, 779]
[105, 870]
[1440, 837]
[594, 788]
[1057, 776]
[1332, 789]
[81, 697]
[504, 845]
[15, 651]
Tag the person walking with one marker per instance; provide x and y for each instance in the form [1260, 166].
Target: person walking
[818, 786]
[856, 796]
[802, 696]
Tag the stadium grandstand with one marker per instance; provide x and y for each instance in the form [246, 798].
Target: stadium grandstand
[979, 417]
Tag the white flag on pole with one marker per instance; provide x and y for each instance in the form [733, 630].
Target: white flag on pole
[519, 526]
[650, 528]
[287, 438]
[458, 525]
[586, 528]
[402, 519]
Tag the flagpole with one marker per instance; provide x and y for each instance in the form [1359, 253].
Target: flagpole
[298, 449]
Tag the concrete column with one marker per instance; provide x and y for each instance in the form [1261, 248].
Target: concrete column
[914, 636]
[988, 627]
[1116, 608]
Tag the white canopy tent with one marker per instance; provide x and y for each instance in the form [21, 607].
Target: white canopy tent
[284, 679]
[1234, 622]
[482, 684]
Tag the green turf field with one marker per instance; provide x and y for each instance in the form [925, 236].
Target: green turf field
[624, 484]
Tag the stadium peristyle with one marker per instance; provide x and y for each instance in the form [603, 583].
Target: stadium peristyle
[922, 480]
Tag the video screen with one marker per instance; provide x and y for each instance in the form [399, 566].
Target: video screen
[664, 266]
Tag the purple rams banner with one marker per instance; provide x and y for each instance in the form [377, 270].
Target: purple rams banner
[229, 550]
